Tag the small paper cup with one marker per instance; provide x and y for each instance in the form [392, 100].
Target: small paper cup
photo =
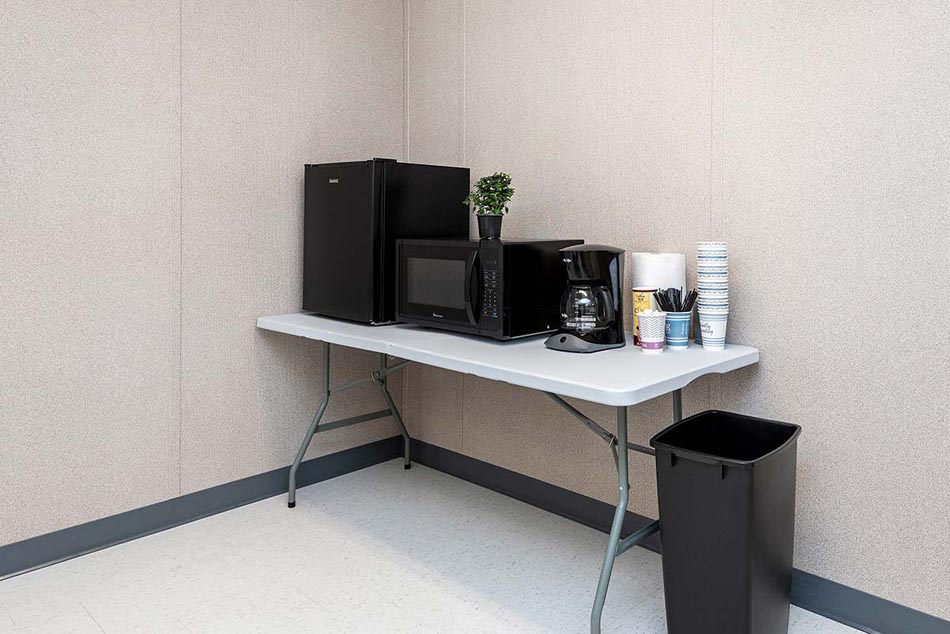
[642, 300]
[714, 306]
[652, 331]
[677, 330]
[713, 326]
[713, 277]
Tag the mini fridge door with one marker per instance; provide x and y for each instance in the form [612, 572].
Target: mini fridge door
[341, 243]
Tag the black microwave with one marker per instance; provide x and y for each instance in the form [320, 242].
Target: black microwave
[502, 289]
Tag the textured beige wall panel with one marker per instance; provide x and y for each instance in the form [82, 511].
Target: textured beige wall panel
[266, 89]
[433, 405]
[602, 116]
[836, 128]
[89, 243]
[435, 57]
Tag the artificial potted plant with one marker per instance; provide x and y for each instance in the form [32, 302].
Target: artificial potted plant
[490, 201]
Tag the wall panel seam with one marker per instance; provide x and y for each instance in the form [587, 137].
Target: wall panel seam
[181, 229]
[712, 111]
[461, 87]
[405, 84]
[461, 150]
[717, 114]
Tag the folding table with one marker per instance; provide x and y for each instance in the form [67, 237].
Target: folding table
[619, 378]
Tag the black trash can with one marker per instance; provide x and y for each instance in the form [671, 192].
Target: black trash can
[726, 488]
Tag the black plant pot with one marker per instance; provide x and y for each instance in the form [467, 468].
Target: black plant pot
[489, 226]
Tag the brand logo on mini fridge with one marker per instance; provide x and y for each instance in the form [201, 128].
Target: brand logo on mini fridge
[334, 180]
[438, 315]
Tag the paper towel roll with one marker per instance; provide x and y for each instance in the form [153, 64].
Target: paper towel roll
[659, 270]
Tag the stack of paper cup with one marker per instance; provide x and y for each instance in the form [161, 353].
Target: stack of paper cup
[712, 275]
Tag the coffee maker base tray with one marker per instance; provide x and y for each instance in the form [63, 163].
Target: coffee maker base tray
[566, 342]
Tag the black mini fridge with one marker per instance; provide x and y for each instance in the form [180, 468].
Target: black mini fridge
[354, 213]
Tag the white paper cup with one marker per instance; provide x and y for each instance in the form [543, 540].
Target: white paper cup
[713, 326]
[652, 331]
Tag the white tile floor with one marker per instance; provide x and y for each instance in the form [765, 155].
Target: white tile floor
[380, 550]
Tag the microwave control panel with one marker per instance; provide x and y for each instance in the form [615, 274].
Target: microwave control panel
[489, 293]
[492, 288]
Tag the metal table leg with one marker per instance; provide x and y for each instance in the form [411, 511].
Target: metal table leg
[614, 540]
[292, 481]
[378, 377]
[615, 545]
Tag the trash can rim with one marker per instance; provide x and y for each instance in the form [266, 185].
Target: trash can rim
[714, 459]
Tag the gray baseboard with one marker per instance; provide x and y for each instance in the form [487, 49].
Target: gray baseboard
[860, 610]
[855, 608]
[67, 543]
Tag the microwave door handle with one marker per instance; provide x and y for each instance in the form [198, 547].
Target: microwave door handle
[472, 289]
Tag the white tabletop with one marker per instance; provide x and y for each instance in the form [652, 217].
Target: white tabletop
[624, 376]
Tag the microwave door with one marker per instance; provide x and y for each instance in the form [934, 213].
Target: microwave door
[437, 285]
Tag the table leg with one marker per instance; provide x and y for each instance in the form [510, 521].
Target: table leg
[292, 480]
[677, 406]
[613, 541]
[381, 381]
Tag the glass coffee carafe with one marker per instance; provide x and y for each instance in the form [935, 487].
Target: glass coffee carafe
[586, 308]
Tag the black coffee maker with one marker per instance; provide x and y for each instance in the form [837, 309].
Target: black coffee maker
[592, 305]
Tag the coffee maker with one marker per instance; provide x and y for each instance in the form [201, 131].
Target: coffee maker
[592, 305]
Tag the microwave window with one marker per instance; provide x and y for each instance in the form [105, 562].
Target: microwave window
[436, 282]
